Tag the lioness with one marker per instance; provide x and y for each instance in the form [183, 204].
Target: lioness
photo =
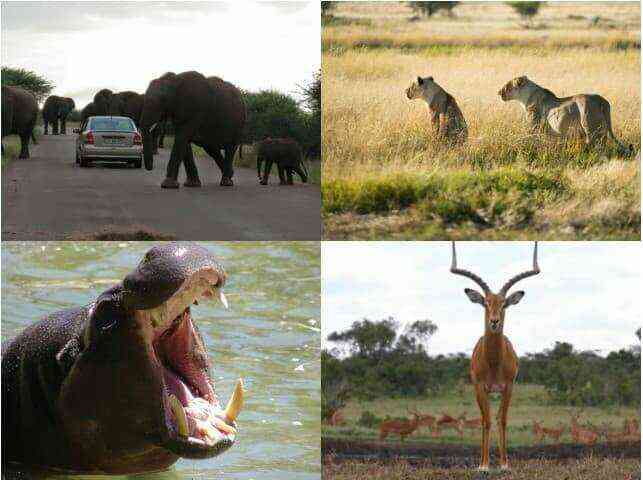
[583, 115]
[446, 116]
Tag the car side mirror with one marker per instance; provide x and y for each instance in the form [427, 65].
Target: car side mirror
[76, 130]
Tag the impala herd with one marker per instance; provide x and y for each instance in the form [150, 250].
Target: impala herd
[584, 434]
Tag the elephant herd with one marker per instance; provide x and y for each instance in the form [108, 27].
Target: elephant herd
[205, 111]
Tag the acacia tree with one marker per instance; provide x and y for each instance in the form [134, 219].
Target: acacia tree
[429, 8]
[527, 10]
[35, 83]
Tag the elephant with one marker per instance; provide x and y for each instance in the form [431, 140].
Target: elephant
[102, 100]
[57, 109]
[19, 115]
[88, 111]
[286, 153]
[208, 112]
[130, 104]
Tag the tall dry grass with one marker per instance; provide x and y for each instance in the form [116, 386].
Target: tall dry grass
[376, 142]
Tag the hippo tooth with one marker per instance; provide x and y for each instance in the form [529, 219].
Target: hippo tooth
[235, 403]
[224, 427]
[181, 418]
[224, 300]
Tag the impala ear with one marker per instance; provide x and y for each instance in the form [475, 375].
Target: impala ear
[514, 298]
[474, 296]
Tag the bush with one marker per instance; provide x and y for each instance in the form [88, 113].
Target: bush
[429, 8]
[326, 7]
[526, 10]
[369, 420]
[275, 114]
[19, 77]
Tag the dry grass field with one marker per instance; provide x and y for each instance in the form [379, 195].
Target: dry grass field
[590, 468]
[385, 177]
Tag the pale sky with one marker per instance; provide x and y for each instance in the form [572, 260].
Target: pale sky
[588, 293]
[85, 46]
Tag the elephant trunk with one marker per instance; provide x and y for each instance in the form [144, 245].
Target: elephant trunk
[148, 148]
[305, 170]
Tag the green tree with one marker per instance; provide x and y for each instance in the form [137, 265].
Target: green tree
[367, 338]
[429, 8]
[273, 114]
[19, 77]
[311, 93]
[527, 10]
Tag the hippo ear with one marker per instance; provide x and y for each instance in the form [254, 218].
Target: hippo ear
[430, 79]
[420, 80]
[66, 357]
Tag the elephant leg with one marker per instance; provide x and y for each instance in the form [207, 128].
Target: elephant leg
[282, 176]
[24, 145]
[228, 172]
[54, 128]
[266, 172]
[155, 142]
[63, 127]
[46, 127]
[301, 173]
[161, 136]
[191, 171]
[289, 175]
[179, 150]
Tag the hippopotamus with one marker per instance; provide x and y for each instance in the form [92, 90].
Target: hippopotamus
[122, 384]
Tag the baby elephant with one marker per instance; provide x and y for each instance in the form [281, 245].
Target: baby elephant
[286, 153]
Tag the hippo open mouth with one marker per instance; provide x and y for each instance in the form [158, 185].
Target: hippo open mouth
[121, 385]
[197, 427]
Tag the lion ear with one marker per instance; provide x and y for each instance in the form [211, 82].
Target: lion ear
[420, 80]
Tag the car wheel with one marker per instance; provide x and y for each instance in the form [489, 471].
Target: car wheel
[138, 163]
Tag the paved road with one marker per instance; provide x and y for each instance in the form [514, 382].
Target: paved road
[49, 197]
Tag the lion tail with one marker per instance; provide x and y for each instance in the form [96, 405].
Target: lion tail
[605, 106]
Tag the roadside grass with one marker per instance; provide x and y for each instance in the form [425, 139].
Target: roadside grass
[590, 468]
[380, 158]
[11, 145]
[529, 403]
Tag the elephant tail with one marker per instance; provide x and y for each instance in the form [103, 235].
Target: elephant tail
[305, 168]
[241, 150]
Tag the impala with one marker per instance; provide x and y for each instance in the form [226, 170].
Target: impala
[540, 432]
[494, 363]
[580, 434]
[472, 423]
[447, 421]
[402, 427]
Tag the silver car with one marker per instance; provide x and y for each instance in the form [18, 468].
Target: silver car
[109, 138]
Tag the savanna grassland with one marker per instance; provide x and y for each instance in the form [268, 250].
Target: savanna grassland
[353, 451]
[385, 176]
[528, 404]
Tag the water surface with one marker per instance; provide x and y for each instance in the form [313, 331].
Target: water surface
[269, 336]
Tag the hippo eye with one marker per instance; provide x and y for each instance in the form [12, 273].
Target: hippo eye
[105, 315]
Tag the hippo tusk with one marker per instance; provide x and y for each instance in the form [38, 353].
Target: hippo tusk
[222, 298]
[181, 418]
[236, 402]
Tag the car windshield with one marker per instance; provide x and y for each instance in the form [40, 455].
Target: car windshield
[112, 125]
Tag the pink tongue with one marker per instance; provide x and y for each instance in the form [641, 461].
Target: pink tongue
[177, 387]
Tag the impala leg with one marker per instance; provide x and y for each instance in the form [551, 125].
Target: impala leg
[483, 402]
[502, 426]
